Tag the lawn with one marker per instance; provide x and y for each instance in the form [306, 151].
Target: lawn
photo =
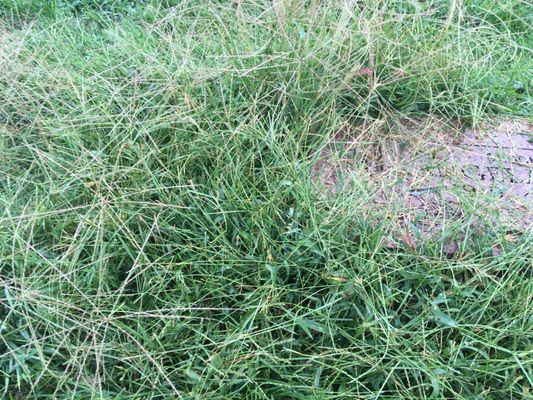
[162, 235]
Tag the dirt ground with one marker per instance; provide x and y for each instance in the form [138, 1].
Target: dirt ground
[428, 176]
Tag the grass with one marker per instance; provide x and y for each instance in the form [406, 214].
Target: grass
[161, 237]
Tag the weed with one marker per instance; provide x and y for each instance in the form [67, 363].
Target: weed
[160, 236]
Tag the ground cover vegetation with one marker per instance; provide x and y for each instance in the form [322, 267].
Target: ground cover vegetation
[161, 235]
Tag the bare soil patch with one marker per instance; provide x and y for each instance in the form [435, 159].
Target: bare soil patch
[429, 176]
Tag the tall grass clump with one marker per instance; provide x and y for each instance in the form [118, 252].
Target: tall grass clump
[160, 236]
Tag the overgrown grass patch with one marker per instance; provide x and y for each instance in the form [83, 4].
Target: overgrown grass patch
[160, 233]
